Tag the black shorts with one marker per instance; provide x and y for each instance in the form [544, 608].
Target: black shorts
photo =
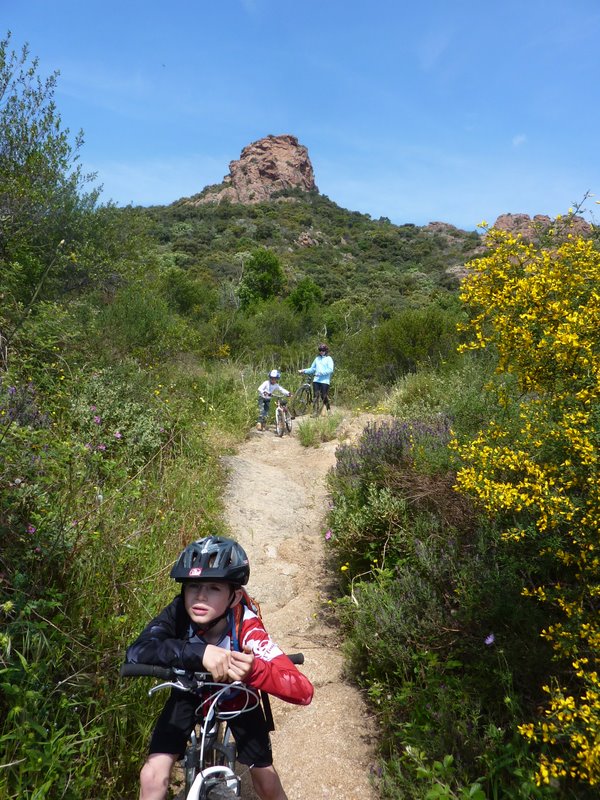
[177, 720]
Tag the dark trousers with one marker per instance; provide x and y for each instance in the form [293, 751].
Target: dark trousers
[323, 390]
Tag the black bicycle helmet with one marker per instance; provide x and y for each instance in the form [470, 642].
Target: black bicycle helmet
[213, 558]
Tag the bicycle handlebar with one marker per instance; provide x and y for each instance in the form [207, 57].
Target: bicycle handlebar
[167, 673]
[145, 671]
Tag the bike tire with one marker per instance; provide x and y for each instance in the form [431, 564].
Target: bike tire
[288, 420]
[219, 752]
[302, 401]
[221, 792]
[279, 421]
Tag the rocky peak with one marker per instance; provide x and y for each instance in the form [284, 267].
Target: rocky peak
[532, 228]
[265, 167]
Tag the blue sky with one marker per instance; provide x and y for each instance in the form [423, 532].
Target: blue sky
[453, 111]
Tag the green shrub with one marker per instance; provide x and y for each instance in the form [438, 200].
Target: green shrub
[400, 344]
[438, 631]
[139, 320]
[312, 432]
[455, 390]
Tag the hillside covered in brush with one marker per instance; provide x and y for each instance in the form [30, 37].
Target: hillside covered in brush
[348, 255]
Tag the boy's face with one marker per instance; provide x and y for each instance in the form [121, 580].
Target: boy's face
[208, 600]
[272, 380]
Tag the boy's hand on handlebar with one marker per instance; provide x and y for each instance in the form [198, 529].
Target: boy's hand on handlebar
[217, 661]
[240, 665]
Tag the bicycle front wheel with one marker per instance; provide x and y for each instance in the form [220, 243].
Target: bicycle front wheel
[301, 400]
[288, 420]
[221, 792]
[279, 421]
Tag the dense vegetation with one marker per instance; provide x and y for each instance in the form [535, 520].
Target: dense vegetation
[474, 625]
[131, 345]
[384, 295]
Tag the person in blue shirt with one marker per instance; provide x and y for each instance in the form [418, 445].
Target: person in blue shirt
[322, 369]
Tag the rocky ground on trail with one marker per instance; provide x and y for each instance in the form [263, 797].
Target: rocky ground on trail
[276, 500]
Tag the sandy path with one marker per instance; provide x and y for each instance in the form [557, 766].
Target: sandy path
[275, 505]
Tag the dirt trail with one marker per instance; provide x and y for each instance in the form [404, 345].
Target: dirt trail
[275, 506]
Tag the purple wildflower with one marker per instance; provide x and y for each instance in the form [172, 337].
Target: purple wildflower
[101, 447]
[12, 389]
[490, 639]
[328, 535]
[97, 419]
[31, 528]
[118, 435]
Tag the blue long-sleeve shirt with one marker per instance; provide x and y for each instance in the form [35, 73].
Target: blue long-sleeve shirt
[321, 368]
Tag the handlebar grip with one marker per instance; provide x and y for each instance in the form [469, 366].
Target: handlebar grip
[296, 658]
[145, 670]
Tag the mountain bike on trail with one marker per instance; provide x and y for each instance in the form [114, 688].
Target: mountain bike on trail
[283, 417]
[209, 763]
[266, 390]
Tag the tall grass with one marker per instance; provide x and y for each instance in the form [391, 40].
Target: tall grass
[129, 472]
[313, 431]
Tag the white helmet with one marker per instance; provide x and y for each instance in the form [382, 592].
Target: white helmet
[275, 374]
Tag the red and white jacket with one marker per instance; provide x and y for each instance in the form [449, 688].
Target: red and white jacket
[169, 640]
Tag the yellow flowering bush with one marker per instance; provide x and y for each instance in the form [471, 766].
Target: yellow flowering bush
[535, 466]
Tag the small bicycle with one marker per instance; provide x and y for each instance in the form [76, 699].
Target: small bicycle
[283, 417]
[210, 757]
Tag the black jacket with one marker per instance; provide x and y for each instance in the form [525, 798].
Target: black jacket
[168, 641]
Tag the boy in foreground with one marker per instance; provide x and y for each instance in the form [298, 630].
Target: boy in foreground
[207, 628]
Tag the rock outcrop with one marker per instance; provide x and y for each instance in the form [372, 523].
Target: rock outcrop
[265, 167]
[531, 229]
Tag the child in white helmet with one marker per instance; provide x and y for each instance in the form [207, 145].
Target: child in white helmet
[265, 391]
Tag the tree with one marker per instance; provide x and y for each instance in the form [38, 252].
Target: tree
[40, 183]
[263, 277]
[305, 295]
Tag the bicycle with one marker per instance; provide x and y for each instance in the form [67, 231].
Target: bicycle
[303, 398]
[210, 757]
[283, 417]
